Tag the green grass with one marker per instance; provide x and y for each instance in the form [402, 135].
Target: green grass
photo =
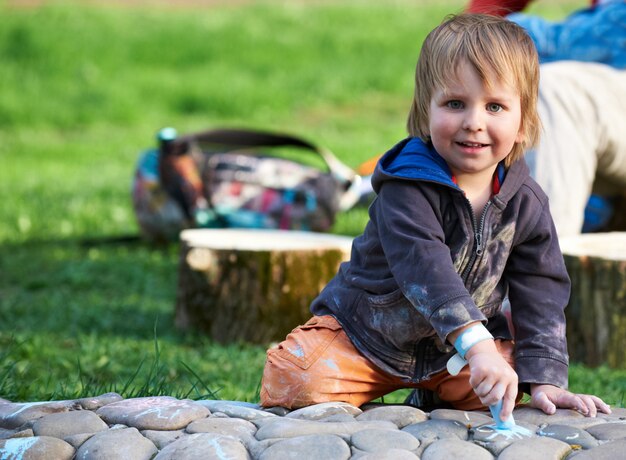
[83, 89]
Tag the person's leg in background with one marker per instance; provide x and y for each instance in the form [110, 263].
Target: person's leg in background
[582, 148]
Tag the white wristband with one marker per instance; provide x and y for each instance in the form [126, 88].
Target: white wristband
[455, 364]
[470, 337]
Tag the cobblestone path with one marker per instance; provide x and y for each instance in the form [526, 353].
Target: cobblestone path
[109, 427]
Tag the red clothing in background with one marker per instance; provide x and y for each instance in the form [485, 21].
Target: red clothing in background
[497, 7]
[500, 7]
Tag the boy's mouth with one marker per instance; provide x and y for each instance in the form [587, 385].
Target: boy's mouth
[473, 145]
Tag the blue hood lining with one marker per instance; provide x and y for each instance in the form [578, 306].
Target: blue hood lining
[416, 160]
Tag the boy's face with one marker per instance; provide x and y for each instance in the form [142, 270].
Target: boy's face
[474, 127]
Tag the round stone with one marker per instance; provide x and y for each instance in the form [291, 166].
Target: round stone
[539, 447]
[201, 446]
[452, 448]
[291, 428]
[467, 418]
[382, 440]
[608, 451]
[35, 448]
[65, 424]
[233, 409]
[571, 435]
[391, 454]
[489, 433]
[399, 415]
[617, 413]
[582, 423]
[312, 447]
[14, 415]
[217, 405]
[537, 417]
[433, 430]
[608, 431]
[237, 428]
[342, 418]
[117, 443]
[98, 401]
[324, 410]
[153, 413]
[495, 441]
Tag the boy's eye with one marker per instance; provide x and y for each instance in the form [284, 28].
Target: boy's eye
[493, 107]
[454, 104]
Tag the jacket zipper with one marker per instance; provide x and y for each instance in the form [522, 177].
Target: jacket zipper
[478, 237]
[478, 229]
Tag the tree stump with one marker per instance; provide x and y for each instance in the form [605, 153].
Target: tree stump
[253, 285]
[596, 314]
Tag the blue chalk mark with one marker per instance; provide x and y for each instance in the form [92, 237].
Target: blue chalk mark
[298, 351]
[332, 364]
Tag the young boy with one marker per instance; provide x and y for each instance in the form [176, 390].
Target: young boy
[456, 227]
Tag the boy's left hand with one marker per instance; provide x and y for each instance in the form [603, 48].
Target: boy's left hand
[548, 398]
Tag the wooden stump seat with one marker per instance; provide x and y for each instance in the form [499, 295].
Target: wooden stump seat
[253, 285]
[596, 314]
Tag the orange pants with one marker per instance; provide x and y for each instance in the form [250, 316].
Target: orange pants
[317, 363]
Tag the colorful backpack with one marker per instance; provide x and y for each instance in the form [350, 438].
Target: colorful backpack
[232, 178]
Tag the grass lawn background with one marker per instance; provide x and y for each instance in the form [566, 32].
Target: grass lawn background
[83, 89]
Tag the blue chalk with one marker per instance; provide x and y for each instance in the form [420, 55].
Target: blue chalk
[501, 424]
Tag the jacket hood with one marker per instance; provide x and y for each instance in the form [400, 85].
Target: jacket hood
[412, 159]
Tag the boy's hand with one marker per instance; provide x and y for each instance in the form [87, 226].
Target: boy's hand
[492, 377]
[548, 398]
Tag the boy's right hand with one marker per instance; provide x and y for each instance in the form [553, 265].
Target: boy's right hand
[492, 377]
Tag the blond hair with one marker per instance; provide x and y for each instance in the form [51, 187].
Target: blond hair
[494, 47]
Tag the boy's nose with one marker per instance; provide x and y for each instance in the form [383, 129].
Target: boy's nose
[473, 120]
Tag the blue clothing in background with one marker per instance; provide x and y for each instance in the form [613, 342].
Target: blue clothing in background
[596, 34]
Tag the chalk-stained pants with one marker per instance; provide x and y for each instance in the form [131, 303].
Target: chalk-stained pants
[317, 363]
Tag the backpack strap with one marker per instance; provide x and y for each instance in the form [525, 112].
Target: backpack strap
[252, 138]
